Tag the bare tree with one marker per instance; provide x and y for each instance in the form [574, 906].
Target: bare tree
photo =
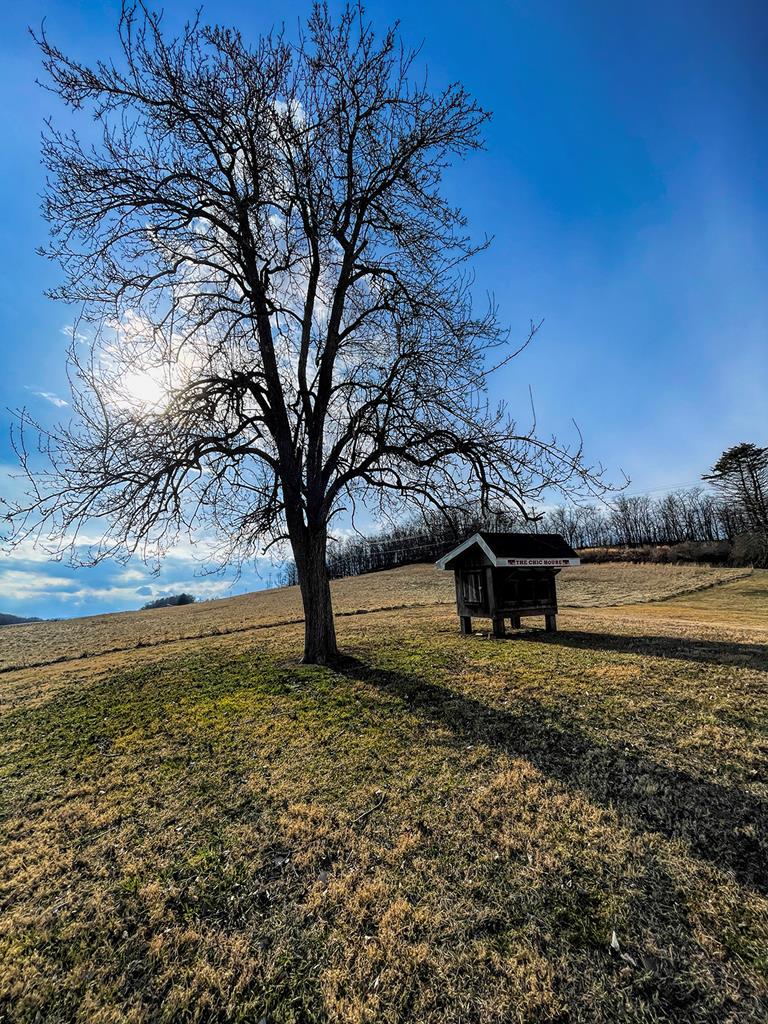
[278, 298]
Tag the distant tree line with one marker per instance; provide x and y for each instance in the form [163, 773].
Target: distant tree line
[633, 520]
[169, 602]
[727, 522]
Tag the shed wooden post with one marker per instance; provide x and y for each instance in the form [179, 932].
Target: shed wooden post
[497, 617]
[465, 621]
[550, 623]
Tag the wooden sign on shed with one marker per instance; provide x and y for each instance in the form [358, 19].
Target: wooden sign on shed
[507, 576]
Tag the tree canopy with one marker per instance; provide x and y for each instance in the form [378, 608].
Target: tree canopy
[741, 476]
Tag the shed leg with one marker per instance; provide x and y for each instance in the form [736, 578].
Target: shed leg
[466, 624]
[550, 623]
[515, 621]
[498, 626]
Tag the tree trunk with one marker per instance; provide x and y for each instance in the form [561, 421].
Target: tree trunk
[319, 629]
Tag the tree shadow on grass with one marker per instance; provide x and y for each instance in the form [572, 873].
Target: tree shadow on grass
[723, 824]
[716, 652]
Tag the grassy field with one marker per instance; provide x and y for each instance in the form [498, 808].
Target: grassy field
[559, 828]
[743, 604]
[587, 586]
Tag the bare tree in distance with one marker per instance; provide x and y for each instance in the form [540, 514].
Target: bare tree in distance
[279, 302]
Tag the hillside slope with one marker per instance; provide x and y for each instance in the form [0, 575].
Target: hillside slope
[410, 586]
[440, 829]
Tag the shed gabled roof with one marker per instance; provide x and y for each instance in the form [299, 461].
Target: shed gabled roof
[543, 550]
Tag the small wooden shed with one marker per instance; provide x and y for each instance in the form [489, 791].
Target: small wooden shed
[507, 576]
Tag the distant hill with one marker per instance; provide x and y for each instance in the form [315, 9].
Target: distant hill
[14, 620]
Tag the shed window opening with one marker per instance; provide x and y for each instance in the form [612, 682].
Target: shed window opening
[473, 589]
[517, 590]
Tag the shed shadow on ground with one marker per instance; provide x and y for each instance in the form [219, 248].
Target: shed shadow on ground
[715, 652]
[723, 825]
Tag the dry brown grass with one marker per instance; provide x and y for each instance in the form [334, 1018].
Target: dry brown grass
[598, 586]
[742, 603]
[441, 830]
[588, 586]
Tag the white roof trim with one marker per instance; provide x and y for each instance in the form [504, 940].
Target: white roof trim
[500, 563]
[474, 539]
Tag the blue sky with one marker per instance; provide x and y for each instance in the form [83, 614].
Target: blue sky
[624, 183]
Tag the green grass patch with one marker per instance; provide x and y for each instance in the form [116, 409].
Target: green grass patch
[439, 829]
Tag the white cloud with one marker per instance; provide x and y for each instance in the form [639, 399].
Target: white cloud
[25, 585]
[27, 550]
[35, 549]
[72, 332]
[28, 584]
[54, 399]
[131, 576]
[201, 549]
